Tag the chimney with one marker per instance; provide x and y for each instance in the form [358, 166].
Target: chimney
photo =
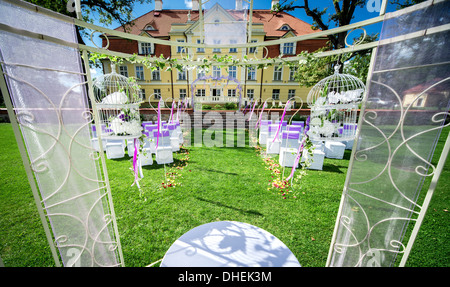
[194, 5]
[158, 5]
[238, 4]
[274, 2]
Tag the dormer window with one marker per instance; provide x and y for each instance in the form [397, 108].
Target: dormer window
[149, 28]
[285, 28]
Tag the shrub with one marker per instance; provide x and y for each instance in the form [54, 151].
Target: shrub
[206, 107]
[230, 106]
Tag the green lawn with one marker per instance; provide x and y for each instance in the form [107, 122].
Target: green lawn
[212, 184]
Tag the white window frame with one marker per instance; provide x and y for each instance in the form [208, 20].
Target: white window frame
[292, 72]
[288, 48]
[180, 48]
[278, 73]
[156, 74]
[216, 50]
[251, 74]
[291, 93]
[200, 93]
[200, 50]
[232, 92]
[233, 50]
[232, 71]
[123, 70]
[250, 93]
[157, 93]
[140, 72]
[275, 94]
[146, 48]
[183, 93]
[181, 75]
[253, 49]
[216, 71]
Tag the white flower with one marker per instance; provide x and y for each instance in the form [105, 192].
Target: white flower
[121, 127]
[334, 98]
[116, 98]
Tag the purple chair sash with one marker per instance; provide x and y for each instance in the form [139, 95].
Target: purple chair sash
[162, 133]
[294, 128]
[273, 128]
[291, 135]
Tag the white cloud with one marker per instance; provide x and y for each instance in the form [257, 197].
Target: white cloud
[188, 4]
[93, 72]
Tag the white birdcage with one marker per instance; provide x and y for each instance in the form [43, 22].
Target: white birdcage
[117, 101]
[334, 103]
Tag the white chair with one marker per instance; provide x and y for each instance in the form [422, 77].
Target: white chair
[334, 149]
[179, 132]
[164, 151]
[273, 141]
[115, 149]
[174, 137]
[263, 131]
[287, 157]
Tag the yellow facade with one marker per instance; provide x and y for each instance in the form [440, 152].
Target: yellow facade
[274, 85]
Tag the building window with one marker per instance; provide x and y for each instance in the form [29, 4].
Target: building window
[140, 72]
[216, 50]
[292, 72]
[275, 94]
[252, 49]
[142, 94]
[180, 48]
[232, 93]
[216, 72]
[123, 70]
[145, 48]
[277, 73]
[182, 93]
[157, 93]
[182, 75]
[250, 93]
[288, 48]
[156, 75]
[291, 94]
[251, 73]
[200, 73]
[233, 50]
[285, 28]
[200, 50]
[232, 72]
[201, 93]
[150, 28]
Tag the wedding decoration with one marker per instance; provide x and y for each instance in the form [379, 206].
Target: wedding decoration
[117, 101]
[334, 103]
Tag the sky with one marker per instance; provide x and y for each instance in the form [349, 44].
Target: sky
[367, 12]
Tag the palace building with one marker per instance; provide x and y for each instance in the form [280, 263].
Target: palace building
[215, 87]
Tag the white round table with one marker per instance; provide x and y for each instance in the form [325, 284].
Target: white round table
[228, 244]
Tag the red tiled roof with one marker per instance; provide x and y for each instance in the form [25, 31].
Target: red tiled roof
[163, 20]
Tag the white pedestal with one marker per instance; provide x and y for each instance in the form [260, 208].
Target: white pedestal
[334, 149]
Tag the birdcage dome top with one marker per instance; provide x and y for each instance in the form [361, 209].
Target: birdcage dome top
[337, 89]
[116, 89]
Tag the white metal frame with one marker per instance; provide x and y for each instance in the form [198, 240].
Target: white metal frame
[85, 49]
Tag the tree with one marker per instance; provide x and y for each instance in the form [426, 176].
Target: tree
[106, 10]
[342, 16]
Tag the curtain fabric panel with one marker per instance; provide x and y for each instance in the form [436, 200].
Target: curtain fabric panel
[47, 87]
[407, 104]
